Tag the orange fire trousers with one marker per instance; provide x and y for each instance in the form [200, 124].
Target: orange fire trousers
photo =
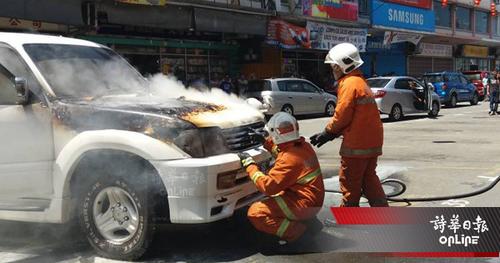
[268, 217]
[357, 177]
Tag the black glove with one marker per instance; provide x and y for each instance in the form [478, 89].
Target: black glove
[258, 136]
[321, 138]
[246, 159]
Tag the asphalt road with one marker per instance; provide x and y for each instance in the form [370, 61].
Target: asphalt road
[455, 153]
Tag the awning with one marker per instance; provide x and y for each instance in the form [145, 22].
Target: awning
[168, 17]
[54, 11]
[227, 22]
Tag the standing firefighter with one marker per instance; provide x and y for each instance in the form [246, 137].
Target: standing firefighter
[358, 120]
[294, 184]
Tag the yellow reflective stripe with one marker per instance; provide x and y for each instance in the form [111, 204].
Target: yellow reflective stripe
[256, 176]
[283, 227]
[348, 151]
[248, 161]
[308, 178]
[365, 100]
[284, 207]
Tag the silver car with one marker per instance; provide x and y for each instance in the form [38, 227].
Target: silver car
[291, 95]
[402, 95]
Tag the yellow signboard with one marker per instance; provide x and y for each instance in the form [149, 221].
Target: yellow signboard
[475, 51]
[144, 2]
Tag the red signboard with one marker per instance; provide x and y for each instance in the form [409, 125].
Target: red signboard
[287, 35]
[427, 4]
[334, 9]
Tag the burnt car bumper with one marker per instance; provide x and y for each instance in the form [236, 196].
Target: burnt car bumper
[194, 188]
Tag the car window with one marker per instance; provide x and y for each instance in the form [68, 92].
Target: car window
[258, 86]
[402, 84]
[453, 78]
[463, 80]
[307, 87]
[377, 83]
[282, 85]
[294, 86]
[14, 64]
[433, 78]
[8, 95]
[473, 76]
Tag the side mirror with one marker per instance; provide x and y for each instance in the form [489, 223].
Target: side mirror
[21, 85]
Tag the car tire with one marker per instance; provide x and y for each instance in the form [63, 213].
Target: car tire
[475, 99]
[396, 113]
[288, 109]
[433, 113]
[453, 101]
[330, 109]
[116, 214]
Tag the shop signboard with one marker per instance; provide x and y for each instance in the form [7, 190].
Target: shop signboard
[287, 35]
[331, 9]
[475, 51]
[435, 50]
[326, 36]
[144, 2]
[15, 23]
[427, 4]
[398, 37]
[388, 15]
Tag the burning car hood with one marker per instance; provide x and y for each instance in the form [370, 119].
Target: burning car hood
[137, 113]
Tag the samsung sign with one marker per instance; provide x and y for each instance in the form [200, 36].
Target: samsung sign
[404, 17]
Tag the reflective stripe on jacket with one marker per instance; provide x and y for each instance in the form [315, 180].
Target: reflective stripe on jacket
[357, 118]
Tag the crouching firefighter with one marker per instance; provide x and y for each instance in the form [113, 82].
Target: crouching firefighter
[356, 118]
[294, 184]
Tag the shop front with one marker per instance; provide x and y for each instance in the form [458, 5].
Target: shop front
[383, 60]
[188, 61]
[431, 58]
[303, 49]
[474, 58]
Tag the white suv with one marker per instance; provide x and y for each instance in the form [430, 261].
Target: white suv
[82, 139]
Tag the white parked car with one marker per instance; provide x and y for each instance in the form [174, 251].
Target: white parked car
[396, 97]
[291, 95]
[82, 139]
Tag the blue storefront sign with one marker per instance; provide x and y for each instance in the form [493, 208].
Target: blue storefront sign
[402, 17]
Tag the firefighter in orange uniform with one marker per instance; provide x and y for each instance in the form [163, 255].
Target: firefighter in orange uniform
[356, 118]
[294, 184]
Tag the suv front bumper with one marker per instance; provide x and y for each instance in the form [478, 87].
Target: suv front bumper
[191, 186]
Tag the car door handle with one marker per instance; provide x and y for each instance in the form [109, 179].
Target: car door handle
[310, 97]
[290, 97]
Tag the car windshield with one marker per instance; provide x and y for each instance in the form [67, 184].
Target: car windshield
[433, 78]
[258, 86]
[85, 72]
[472, 76]
[377, 83]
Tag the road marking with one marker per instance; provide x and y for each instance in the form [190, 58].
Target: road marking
[456, 202]
[490, 178]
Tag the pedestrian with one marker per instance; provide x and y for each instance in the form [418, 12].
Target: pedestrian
[356, 118]
[294, 185]
[226, 85]
[241, 84]
[492, 91]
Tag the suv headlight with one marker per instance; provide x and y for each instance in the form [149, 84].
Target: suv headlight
[202, 142]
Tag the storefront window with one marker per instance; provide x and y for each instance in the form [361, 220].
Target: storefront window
[463, 20]
[495, 28]
[443, 14]
[481, 22]
[472, 64]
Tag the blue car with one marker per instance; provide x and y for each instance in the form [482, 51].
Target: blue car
[453, 87]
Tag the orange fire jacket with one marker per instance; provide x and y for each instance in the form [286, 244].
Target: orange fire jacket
[357, 118]
[295, 177]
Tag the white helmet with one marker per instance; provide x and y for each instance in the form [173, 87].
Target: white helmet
[346, 56]
[283, 127]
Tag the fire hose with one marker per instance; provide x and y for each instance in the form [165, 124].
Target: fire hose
[392, 197]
